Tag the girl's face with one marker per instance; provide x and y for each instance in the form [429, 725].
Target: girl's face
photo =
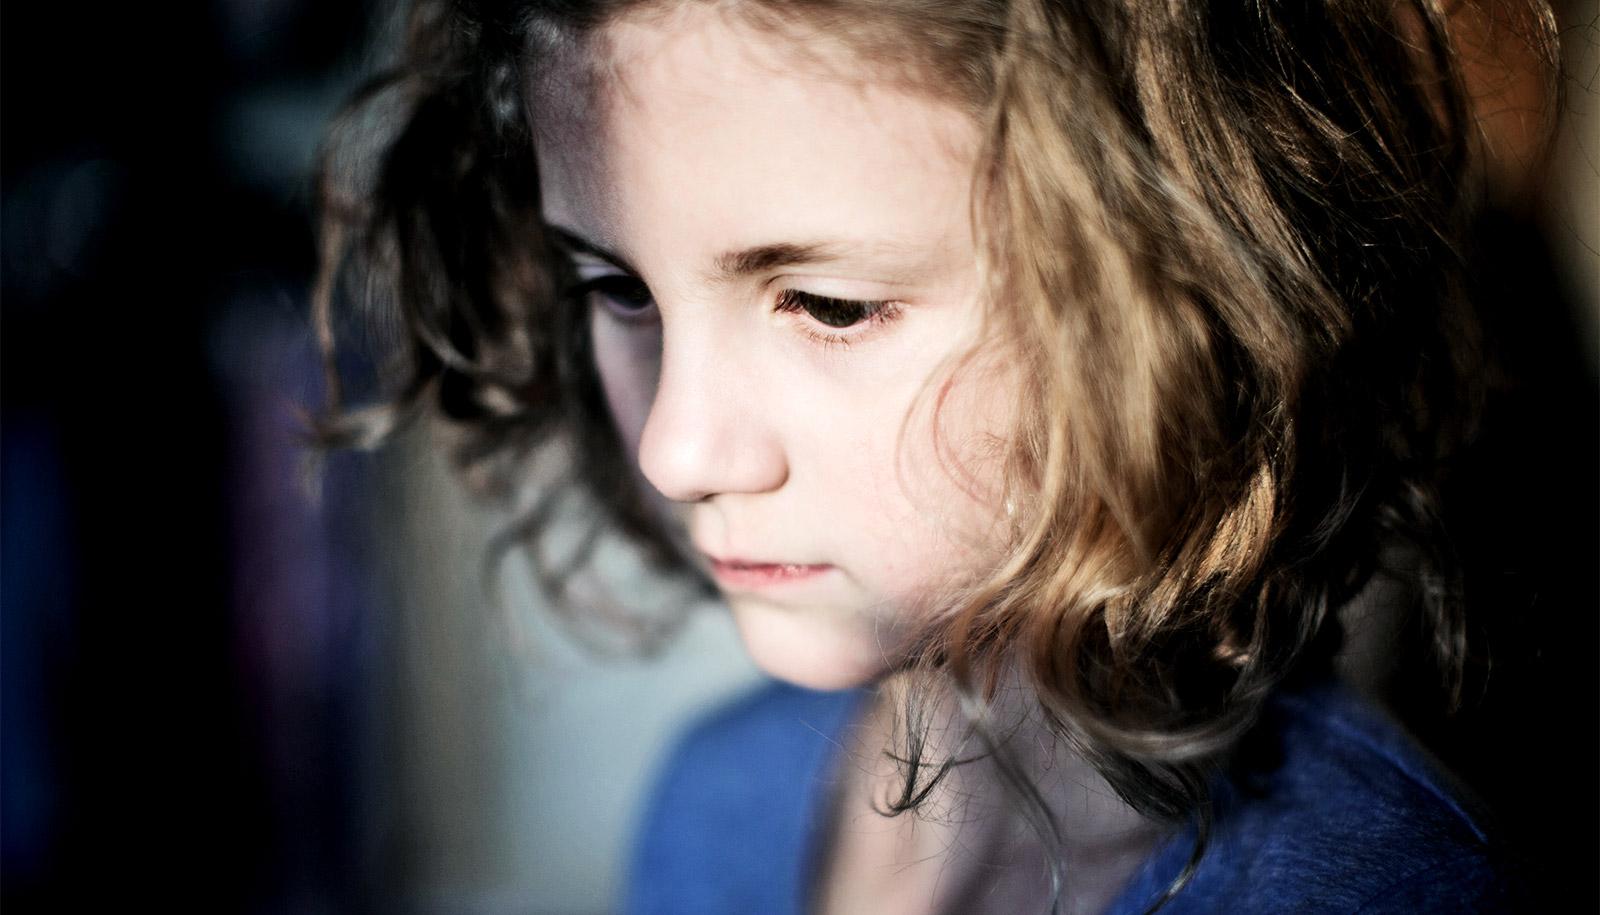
[783, 275]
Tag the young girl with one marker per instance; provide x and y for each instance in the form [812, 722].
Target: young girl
[1051, 391]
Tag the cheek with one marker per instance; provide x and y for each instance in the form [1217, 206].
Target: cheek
[929, 503]
[628, 360]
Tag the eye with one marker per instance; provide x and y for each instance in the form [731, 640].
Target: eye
[624, 295]
[831, 311]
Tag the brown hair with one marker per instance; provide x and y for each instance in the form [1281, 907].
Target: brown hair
[1235, 240]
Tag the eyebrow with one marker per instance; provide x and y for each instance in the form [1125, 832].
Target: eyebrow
[727, 267]
[734, 265]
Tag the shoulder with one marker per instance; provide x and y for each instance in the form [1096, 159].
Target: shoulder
[729, 822]
[1333, 808]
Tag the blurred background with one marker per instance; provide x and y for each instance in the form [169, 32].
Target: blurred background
[218, 693]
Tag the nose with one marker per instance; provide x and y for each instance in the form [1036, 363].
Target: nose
[709, 431]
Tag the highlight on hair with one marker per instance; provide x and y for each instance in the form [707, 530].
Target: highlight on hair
[1231, 241]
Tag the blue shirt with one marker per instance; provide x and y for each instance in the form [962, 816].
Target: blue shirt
[1349, 816]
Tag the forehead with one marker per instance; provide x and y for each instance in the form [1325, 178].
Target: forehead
[699, 119]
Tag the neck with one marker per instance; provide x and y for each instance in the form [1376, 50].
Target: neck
[984, 839]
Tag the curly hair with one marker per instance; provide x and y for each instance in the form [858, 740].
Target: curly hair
[1233, 241]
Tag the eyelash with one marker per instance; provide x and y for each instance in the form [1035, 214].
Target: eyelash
[875, 313]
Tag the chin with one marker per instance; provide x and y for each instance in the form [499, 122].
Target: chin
[812, 648]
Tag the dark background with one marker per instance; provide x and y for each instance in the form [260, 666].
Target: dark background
[190, 650]
[194, 658]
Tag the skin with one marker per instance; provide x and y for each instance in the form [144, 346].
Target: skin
[771, 436]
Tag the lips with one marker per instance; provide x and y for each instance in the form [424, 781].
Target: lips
[742, 573]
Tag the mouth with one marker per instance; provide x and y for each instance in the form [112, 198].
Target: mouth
[746, 574]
